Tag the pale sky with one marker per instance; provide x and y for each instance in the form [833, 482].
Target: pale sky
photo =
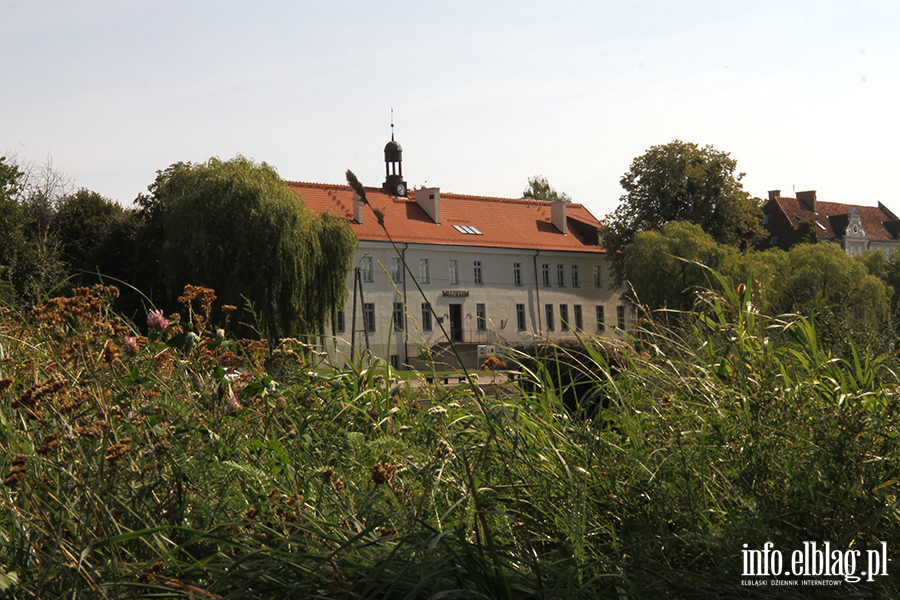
[804, 94]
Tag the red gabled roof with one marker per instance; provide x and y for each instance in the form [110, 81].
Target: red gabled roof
[829, 219]
[503, 222]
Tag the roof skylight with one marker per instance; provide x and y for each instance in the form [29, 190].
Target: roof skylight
[467, 229]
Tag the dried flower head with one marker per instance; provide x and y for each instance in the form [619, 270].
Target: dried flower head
[444, 451]
[16, 474]
[118, 450]
[383, 473]
[50, 444]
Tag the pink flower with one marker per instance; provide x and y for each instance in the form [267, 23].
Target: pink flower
[234, 406]
[130, 347]
[156, 320]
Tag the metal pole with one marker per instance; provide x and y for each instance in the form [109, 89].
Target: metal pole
[362, 303]
[353, 324]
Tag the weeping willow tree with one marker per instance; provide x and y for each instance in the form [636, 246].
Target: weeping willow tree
[235, 227]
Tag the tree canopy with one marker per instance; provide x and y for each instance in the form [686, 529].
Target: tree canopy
[849, 297]
[666, 267]
[681, 181]
[83, 220]
[235, 227]
[540, 189]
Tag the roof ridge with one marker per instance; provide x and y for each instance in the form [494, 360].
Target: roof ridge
[526, 201]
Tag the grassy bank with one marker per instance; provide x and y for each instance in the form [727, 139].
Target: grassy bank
[187, 464]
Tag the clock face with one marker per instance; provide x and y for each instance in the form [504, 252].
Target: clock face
[401, 189]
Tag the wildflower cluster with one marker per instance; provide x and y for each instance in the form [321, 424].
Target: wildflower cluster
[82, 324]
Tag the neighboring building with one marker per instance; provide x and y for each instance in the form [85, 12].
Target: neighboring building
[494, 270]
[855, 228]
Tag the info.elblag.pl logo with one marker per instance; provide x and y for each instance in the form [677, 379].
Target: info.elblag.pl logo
[814, 560]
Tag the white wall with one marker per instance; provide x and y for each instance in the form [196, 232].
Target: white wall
[497, 292]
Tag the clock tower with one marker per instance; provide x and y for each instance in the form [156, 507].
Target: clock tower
[393, 166]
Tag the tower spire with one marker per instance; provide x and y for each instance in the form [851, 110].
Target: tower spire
[393, 165]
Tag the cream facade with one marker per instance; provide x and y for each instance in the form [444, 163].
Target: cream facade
[472, 296]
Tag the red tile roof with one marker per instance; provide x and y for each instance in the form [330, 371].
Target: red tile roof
[503, 222]
[830, 219]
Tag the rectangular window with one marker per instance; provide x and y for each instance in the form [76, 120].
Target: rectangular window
[517, 274]
[424, 272]
[601, 319]
[561, 275]
[598, 276]
[369, 316]
[620, 316]
[548, 313]
[426, 317]
[480, 317]
[545, 274]
[396, 270]
[479, 280]
[454, 272]
[339, 322]
[399, 316]
[576, 281]
[520, 317]
[563, 317]
[579, 321]
[367, 269]
[395, 361]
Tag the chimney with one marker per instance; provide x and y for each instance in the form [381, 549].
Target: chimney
[808, 198]
[774, 194]
[357, 208]
[430, 201]
[558, 216]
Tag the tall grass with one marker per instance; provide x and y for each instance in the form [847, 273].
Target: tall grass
[208, 467]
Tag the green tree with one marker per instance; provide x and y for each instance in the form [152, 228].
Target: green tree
[13, 244]
[235, 227]
[540, 189]
[822, 281]
[665, 268]
[888, 271]
[681, 181]
[26, 271]
[83, 220]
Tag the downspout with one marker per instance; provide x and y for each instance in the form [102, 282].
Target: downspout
[537, 291]
[405, 329]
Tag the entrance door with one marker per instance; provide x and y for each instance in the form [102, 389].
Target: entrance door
[456, 323]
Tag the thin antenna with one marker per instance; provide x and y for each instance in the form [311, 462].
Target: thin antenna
[392, 123]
